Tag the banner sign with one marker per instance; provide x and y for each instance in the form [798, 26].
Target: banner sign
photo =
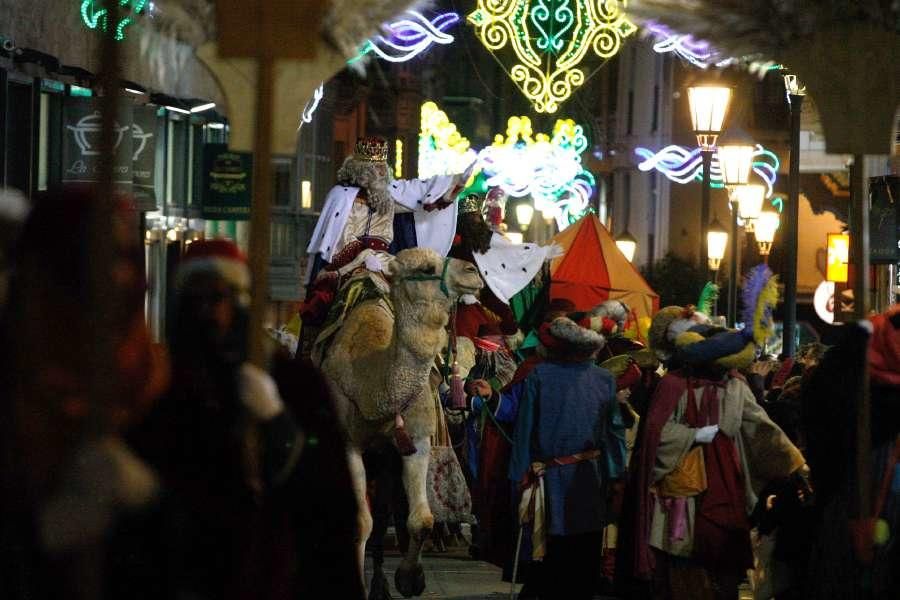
[883, 219]
[227, 183]
[82, 125]
[144, 131]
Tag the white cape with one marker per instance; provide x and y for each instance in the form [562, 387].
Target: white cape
[508, 268]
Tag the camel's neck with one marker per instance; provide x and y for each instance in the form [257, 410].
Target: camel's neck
[419, 336]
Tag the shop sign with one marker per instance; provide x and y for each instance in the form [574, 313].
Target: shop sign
[838, 257]
[823, 301]
[144, 131]
[227, 183]
[82, 127]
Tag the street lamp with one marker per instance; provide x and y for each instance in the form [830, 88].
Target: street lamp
[524, 213]
[708, 105]
[716, 241]
[749, 199]
[766, 226]
[795, 93]
[627, 244]
[735, 151]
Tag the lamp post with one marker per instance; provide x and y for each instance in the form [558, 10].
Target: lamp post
[795, 94]
[749, 199]
[766, 225]
[524, 214]
[716, 241]
[627, 244]
[736, 160]
[708, 104]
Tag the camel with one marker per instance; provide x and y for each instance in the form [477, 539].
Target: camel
[378, 367]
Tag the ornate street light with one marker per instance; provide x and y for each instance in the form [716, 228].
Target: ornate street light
[749, 199]
[708, 106]
[795, 93]
[766, 225]
[735, 151]
[716, 241]
[524, 213]
[627, 244]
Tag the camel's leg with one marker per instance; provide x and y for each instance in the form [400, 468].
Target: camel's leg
[381, 492]
[410, 577]
[364, 518]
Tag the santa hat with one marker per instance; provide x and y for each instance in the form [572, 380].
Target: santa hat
[221, 257]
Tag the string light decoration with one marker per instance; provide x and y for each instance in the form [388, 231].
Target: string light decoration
[408, 37]
[550, 40]
[683, 165]
[546, 167]
[697, 52]
[398, 158]
[442, 149]
[313, 103]
[95, 15]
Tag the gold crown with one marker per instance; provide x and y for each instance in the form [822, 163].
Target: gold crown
[372, 149]
[470, 204]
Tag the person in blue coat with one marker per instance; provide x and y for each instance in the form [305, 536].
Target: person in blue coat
[570, 435]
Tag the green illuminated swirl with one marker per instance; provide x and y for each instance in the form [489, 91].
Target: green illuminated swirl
[96, 16]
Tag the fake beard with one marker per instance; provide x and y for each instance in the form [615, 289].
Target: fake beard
[364, 175]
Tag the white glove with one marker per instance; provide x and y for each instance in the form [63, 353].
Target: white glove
[705, 435]
[259, 394]
[374, 264]
[554, 251]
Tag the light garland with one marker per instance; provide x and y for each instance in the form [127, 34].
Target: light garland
[409, 37]
[398, 159]
[313, 103]
[697, 52]
[547, 168]
[683, 165]
[442, 149]
[550, 39]
[95, 16]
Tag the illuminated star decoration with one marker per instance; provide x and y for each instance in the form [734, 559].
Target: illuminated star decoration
[550, 40]
[547, 168]
[683, 165]
[96, 16]
[442, 149]
[408, 37]
[312, 104]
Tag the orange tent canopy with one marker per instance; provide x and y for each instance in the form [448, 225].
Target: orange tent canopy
[594, 270]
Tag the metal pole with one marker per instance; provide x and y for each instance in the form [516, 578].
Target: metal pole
[704, 208]
[859, 256]
[792, 233]
[733, 269]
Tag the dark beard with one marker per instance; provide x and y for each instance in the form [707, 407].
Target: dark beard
[474, 233]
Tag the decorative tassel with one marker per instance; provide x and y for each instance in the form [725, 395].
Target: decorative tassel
[457, 391]
[404, 443]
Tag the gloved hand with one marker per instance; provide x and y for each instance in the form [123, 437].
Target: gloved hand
[374, 264]
[259, 394]
[705, 435]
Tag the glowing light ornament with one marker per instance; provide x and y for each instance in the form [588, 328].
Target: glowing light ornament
[312, 104]
[95, 15]
[442, 149]
[408, 37]
[697, 52]
[550, 40]
[683, 165]
[546, 168]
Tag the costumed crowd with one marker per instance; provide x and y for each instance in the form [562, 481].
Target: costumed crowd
[432, 382]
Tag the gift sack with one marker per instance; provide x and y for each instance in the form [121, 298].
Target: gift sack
[688, 478]
[448, 495]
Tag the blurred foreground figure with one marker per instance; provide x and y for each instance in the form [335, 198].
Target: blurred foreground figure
[67, 477]
[221, 441]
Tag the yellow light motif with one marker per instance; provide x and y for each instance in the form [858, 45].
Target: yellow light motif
[550, 39]
[398, 159]
[442, 149]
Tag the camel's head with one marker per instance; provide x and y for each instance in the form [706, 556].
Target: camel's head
[433, 276]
